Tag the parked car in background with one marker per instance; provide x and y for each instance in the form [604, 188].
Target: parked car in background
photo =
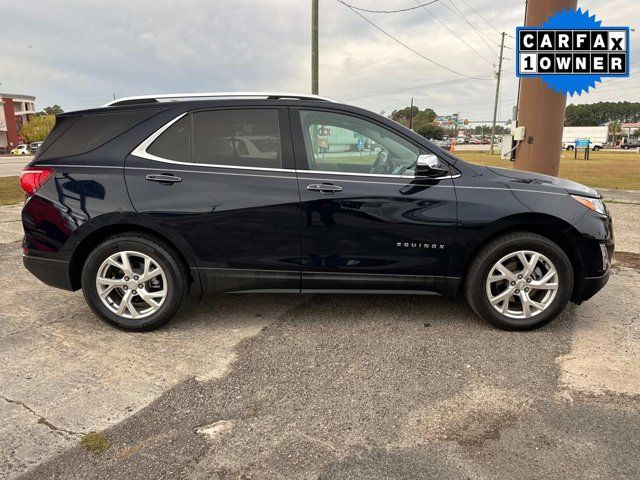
[22, 149]
[630, 143]
[444, 144]
[199, 212]
[34, 146]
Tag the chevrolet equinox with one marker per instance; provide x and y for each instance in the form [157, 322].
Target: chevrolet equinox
[148, 198]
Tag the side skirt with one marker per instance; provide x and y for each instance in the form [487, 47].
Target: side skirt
[278, 281]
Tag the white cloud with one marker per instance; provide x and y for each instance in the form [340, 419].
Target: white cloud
[79, 53]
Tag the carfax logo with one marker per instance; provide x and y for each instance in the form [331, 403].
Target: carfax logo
[571, 51]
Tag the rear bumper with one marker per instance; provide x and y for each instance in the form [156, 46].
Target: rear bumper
[52, 272]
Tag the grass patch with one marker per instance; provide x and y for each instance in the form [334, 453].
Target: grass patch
[10, 191]
[603, 170]
[95, 443]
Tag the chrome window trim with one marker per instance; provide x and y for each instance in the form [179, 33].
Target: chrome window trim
[141, 152]
[412, 177]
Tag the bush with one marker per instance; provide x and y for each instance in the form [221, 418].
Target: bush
[38, 127]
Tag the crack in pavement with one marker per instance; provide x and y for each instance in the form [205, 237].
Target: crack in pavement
[41, 420]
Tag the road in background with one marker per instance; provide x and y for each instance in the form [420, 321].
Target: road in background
[12, 165]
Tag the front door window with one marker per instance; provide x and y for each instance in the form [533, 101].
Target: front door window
[346, 144]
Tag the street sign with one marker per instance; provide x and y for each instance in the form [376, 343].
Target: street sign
[582, 142]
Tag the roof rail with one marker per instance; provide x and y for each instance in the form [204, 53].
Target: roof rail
[174, 97]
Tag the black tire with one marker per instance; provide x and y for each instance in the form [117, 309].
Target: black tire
[625, 147]
[177, 280]
[569, 148]
[595, 149]
[475, 281]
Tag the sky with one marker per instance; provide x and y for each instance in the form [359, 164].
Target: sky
[80, 53]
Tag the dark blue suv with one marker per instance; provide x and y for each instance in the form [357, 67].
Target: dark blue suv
[148, 198]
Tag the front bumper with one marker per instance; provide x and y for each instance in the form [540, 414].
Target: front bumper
[590, 286]
[52, 272]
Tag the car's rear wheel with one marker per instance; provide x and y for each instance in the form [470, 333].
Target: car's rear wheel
[519, 281]
[134, 282]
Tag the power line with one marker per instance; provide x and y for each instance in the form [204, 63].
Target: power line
[353, 7]
[456, 34]
[404, 44]
[464, 17]
[487, 21]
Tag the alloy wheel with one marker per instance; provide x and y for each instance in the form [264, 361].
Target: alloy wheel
[131, 284]
[522, 284]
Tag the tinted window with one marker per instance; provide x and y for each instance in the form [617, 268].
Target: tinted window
[61, 126]
[246, 138]
[92, 131]
[342, 143]
[175, 142]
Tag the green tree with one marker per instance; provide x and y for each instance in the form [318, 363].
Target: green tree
[435, 132]
[420, 118]
[37, 128]
[615, 129]
[423, 119]
[602, 112]
[402, 115]
[54, 110]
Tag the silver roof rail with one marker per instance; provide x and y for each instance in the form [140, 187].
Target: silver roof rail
[174, 97]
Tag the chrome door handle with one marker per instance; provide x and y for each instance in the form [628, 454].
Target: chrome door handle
[324, 187]
[164, 178]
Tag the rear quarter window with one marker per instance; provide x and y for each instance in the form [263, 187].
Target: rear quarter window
[76, 135]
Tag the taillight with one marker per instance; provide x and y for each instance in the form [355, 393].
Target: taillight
[32, 178]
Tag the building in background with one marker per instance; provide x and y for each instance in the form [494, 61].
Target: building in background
[15, 111]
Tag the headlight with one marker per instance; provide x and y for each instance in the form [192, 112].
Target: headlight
[595, 204]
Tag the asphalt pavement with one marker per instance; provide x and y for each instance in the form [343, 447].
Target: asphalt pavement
[321, 386]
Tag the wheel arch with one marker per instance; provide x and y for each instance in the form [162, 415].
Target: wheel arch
[91, 237]
[555, 229]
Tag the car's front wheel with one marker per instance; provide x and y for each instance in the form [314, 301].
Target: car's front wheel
[519, 281]
[134, 282]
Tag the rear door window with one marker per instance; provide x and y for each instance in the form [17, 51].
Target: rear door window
[241, 138]
[175, 142]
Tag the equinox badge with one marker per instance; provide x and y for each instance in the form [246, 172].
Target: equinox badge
[432, 246]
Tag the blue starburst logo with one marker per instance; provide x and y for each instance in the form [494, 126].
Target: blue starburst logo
[571, 52]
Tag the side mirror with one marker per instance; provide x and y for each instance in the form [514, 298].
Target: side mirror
[430, 166]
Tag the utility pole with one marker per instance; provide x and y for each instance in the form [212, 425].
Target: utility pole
[314, 47]
[411, 115]
[541, 110]
[495, 105]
